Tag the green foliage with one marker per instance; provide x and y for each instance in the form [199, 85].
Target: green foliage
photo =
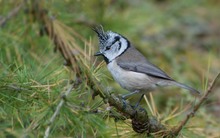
[179, 36]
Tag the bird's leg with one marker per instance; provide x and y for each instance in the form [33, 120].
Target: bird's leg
[124, 97]
[137, 104]
[129, 94]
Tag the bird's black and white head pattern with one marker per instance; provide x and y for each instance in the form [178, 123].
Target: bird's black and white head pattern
[111, 44]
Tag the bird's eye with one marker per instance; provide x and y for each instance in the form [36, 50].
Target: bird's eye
[108, 47]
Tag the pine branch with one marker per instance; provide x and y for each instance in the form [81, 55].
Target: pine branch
[197, 106]
[11, 14]
[140, 120]
[57, 111]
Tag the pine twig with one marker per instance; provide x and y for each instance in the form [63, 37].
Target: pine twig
[11, 14]
[57, 111]
[196, 107]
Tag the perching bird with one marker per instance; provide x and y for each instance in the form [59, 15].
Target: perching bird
[129, 67]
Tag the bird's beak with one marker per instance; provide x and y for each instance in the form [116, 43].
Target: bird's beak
[98, 54]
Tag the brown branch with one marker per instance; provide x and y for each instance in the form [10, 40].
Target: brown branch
[11, 14]
[140, 120]
[196, 107]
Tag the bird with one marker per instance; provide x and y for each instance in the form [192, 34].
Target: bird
[130, 68]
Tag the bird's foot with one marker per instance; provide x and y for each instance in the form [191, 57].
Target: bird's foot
[138, 103]
[123, 99]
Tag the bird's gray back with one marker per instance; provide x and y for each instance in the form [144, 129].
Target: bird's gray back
[133, 60]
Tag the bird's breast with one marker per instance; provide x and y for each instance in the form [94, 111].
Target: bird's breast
[130, 80]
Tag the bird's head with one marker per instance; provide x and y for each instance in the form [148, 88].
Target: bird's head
[111, 44]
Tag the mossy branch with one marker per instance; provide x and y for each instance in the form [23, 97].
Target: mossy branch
[141, 122]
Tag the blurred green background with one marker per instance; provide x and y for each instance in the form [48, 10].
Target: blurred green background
[181, 37]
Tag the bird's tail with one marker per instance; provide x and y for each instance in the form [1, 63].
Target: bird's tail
[192, 90]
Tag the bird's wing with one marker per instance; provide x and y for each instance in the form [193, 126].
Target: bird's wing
[138, 63]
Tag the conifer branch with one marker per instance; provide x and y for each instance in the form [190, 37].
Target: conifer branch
[197, 106]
